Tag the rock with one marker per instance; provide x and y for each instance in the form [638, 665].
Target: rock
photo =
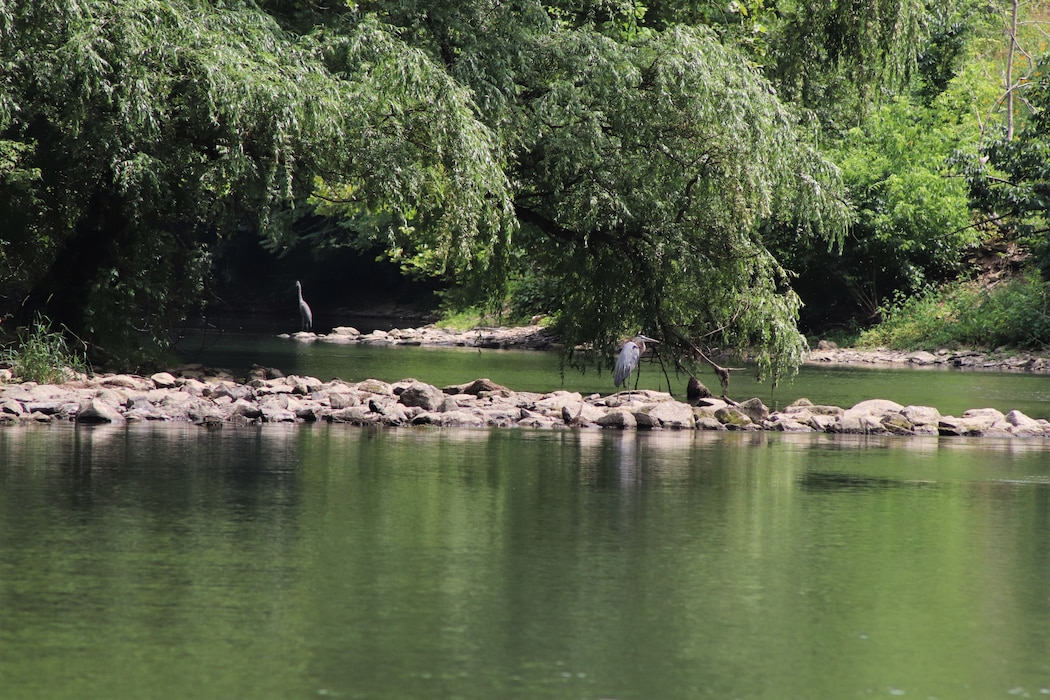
[478, 386]
[234, 392]
[950, 425]
[644, 421]
[11, 407]
[897, 424]
[275, 414]
[818, 417]
[163, 380]
[355, 415]
[47, 408]
[709, 423]
[304, 385]
[194, 387]
[111, 397]
[341, 400]
[754, 409]
[246, 409]
[733, 418]
[983, 418]
[866, 417]
[671, 414]
[215, 399]
[450, 419]
[618, 418]
[922, 415]
[537, 422]
[787, 424]
[98, 411]
[424, 396]
[712, 403]
[1020, 424]
[126, 381]
[374, 386]
[875, 406]
[922, 358]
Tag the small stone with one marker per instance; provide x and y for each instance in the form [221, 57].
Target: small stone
[163, 380]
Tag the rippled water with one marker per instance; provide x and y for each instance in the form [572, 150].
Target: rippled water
[332, 561]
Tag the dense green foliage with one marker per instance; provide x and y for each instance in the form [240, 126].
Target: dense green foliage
[1015, 313]
[667, 168]
[1011, 181]
[912, 221]
[146, 131]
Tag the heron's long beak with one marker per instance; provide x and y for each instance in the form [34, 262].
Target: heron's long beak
[648, 339]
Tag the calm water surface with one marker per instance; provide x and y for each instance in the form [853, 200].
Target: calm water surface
[332, 561]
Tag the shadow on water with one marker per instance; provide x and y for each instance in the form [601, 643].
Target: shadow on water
[817, 482]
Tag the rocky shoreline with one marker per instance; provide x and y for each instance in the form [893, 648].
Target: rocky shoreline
[214, 401]
[195, 395]
[532, 337]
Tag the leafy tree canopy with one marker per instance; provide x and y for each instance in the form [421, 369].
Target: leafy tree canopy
[630, 157]
[642, 166]
[134, 136]
[1010, 182]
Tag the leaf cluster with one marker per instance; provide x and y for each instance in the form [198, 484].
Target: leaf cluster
[1015, 313]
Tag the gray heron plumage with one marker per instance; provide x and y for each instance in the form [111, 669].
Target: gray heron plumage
[626, 363]
[305, 315]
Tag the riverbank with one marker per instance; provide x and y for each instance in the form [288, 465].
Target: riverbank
[536, 337]
[191, 395]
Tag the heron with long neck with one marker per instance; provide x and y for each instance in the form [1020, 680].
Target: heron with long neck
[305, 315]
[628, 359]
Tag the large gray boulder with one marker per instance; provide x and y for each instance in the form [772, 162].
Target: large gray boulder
[98, 411]
[671, 414]
[425, 396]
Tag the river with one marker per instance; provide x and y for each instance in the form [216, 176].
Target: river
[951, 391]
[171, 561]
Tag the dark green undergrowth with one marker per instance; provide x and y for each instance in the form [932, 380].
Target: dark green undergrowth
[1014, 313]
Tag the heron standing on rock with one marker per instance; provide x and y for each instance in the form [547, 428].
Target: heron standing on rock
[628, 359]
[305, 315]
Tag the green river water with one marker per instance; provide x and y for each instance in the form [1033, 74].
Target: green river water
[329, 561]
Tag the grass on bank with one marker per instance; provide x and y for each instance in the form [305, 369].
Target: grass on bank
[42, 355]
[1014, 313]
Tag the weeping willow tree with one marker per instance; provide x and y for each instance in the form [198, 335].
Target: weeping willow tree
[154, 129]
[840, 57]
[645, 174]
[628, 169]
[137, 136]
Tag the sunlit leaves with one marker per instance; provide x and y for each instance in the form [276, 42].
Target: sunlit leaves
[423, 176]
[646, 171]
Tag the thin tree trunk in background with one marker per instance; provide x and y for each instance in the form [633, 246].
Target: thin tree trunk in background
[1010, 72]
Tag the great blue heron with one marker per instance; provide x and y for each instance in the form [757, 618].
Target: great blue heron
[305, 315]
[628, 359]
